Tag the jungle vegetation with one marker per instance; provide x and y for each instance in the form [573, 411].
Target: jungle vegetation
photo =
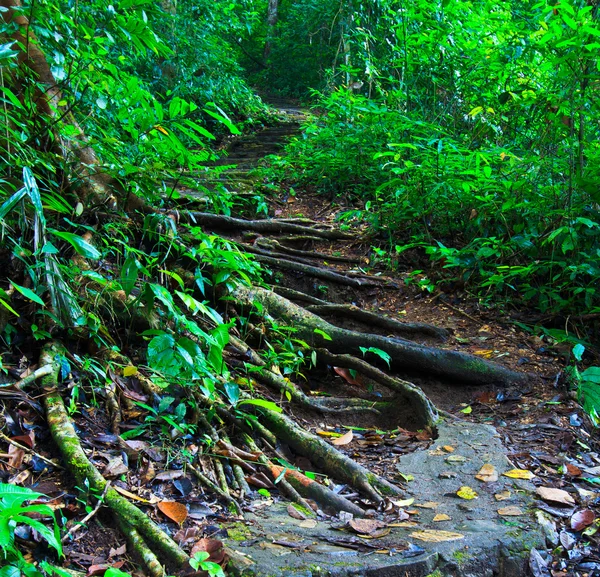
[466, 134]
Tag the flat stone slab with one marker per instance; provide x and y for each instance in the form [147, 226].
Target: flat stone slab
[270, 543]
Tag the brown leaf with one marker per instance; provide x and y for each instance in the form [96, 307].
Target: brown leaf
[441, 517]
[213, 547]
[175, 511]
[296, 513]
[366, 526]
[502, 496]
[347, 376]
[118, 551]
[427, 505]
[344, 439]
[115, 467]
[572, 470]
[555, 495]
[487, 474]
[582, 519]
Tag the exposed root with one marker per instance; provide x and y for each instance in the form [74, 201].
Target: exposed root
[141, 550]
[378, 320]
[318, 272]
[272, 245]
[408, 394]
[405, 355]
[295, 295]
[326, 457]
[66, 439]
[262, 226]
[279, 383]
[202, 478]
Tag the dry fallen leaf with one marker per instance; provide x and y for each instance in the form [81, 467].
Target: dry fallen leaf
[572, 470]
[213, 547]
[366, 526]
[175, 511]
[555, 495]
[467, 493]
[582, 519]
[487, 474]
[510, 511]
[427, 505]
[519, 474]
[403, 503]
[502, 496]
[441, 517]
[433, 536]
[448, 448]
[344, 439]
[404, 524]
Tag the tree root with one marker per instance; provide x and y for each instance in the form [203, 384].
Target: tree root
[155, 569]
[280, 383]
[374, 319]
[409, 394]
[272, 244]
[262, 226]
[66, 439]
[295, 295]
[318, 272]
[408, 356]
[327, 458]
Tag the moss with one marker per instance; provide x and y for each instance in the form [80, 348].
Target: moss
[461, 556]
[436, 573]
[238, 532]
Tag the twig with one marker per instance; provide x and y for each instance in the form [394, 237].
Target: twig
[31, 451]
[78, 526]
[31, 377]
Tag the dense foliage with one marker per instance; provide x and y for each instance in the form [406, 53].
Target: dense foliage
[474, 135]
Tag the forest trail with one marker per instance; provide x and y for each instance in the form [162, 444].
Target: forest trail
[489, 428]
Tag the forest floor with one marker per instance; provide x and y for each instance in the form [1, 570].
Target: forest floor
[539, 432]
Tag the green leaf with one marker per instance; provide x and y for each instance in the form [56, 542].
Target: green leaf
[323, 334]
[129, 274]
[381, 354]
[578, 351]
[28, 293]
[81, 246]
[233, 392]
[269, 405]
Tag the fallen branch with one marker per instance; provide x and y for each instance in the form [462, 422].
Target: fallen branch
[86, 519]
[271, 243]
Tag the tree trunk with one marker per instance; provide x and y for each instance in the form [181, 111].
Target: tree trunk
[272, 15]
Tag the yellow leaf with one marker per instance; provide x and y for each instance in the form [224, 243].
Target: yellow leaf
[441, 517]
[519, 474]
[161, 129]
[323, 433]
[487, 474]
[467, 493]
[448, 448]
[130, 371]
[433, 536]
[486, 353]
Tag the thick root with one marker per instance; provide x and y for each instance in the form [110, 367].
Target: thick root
[405, 355]
[66, 439]
[377, 320]
[262, 226]
[325, 457]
